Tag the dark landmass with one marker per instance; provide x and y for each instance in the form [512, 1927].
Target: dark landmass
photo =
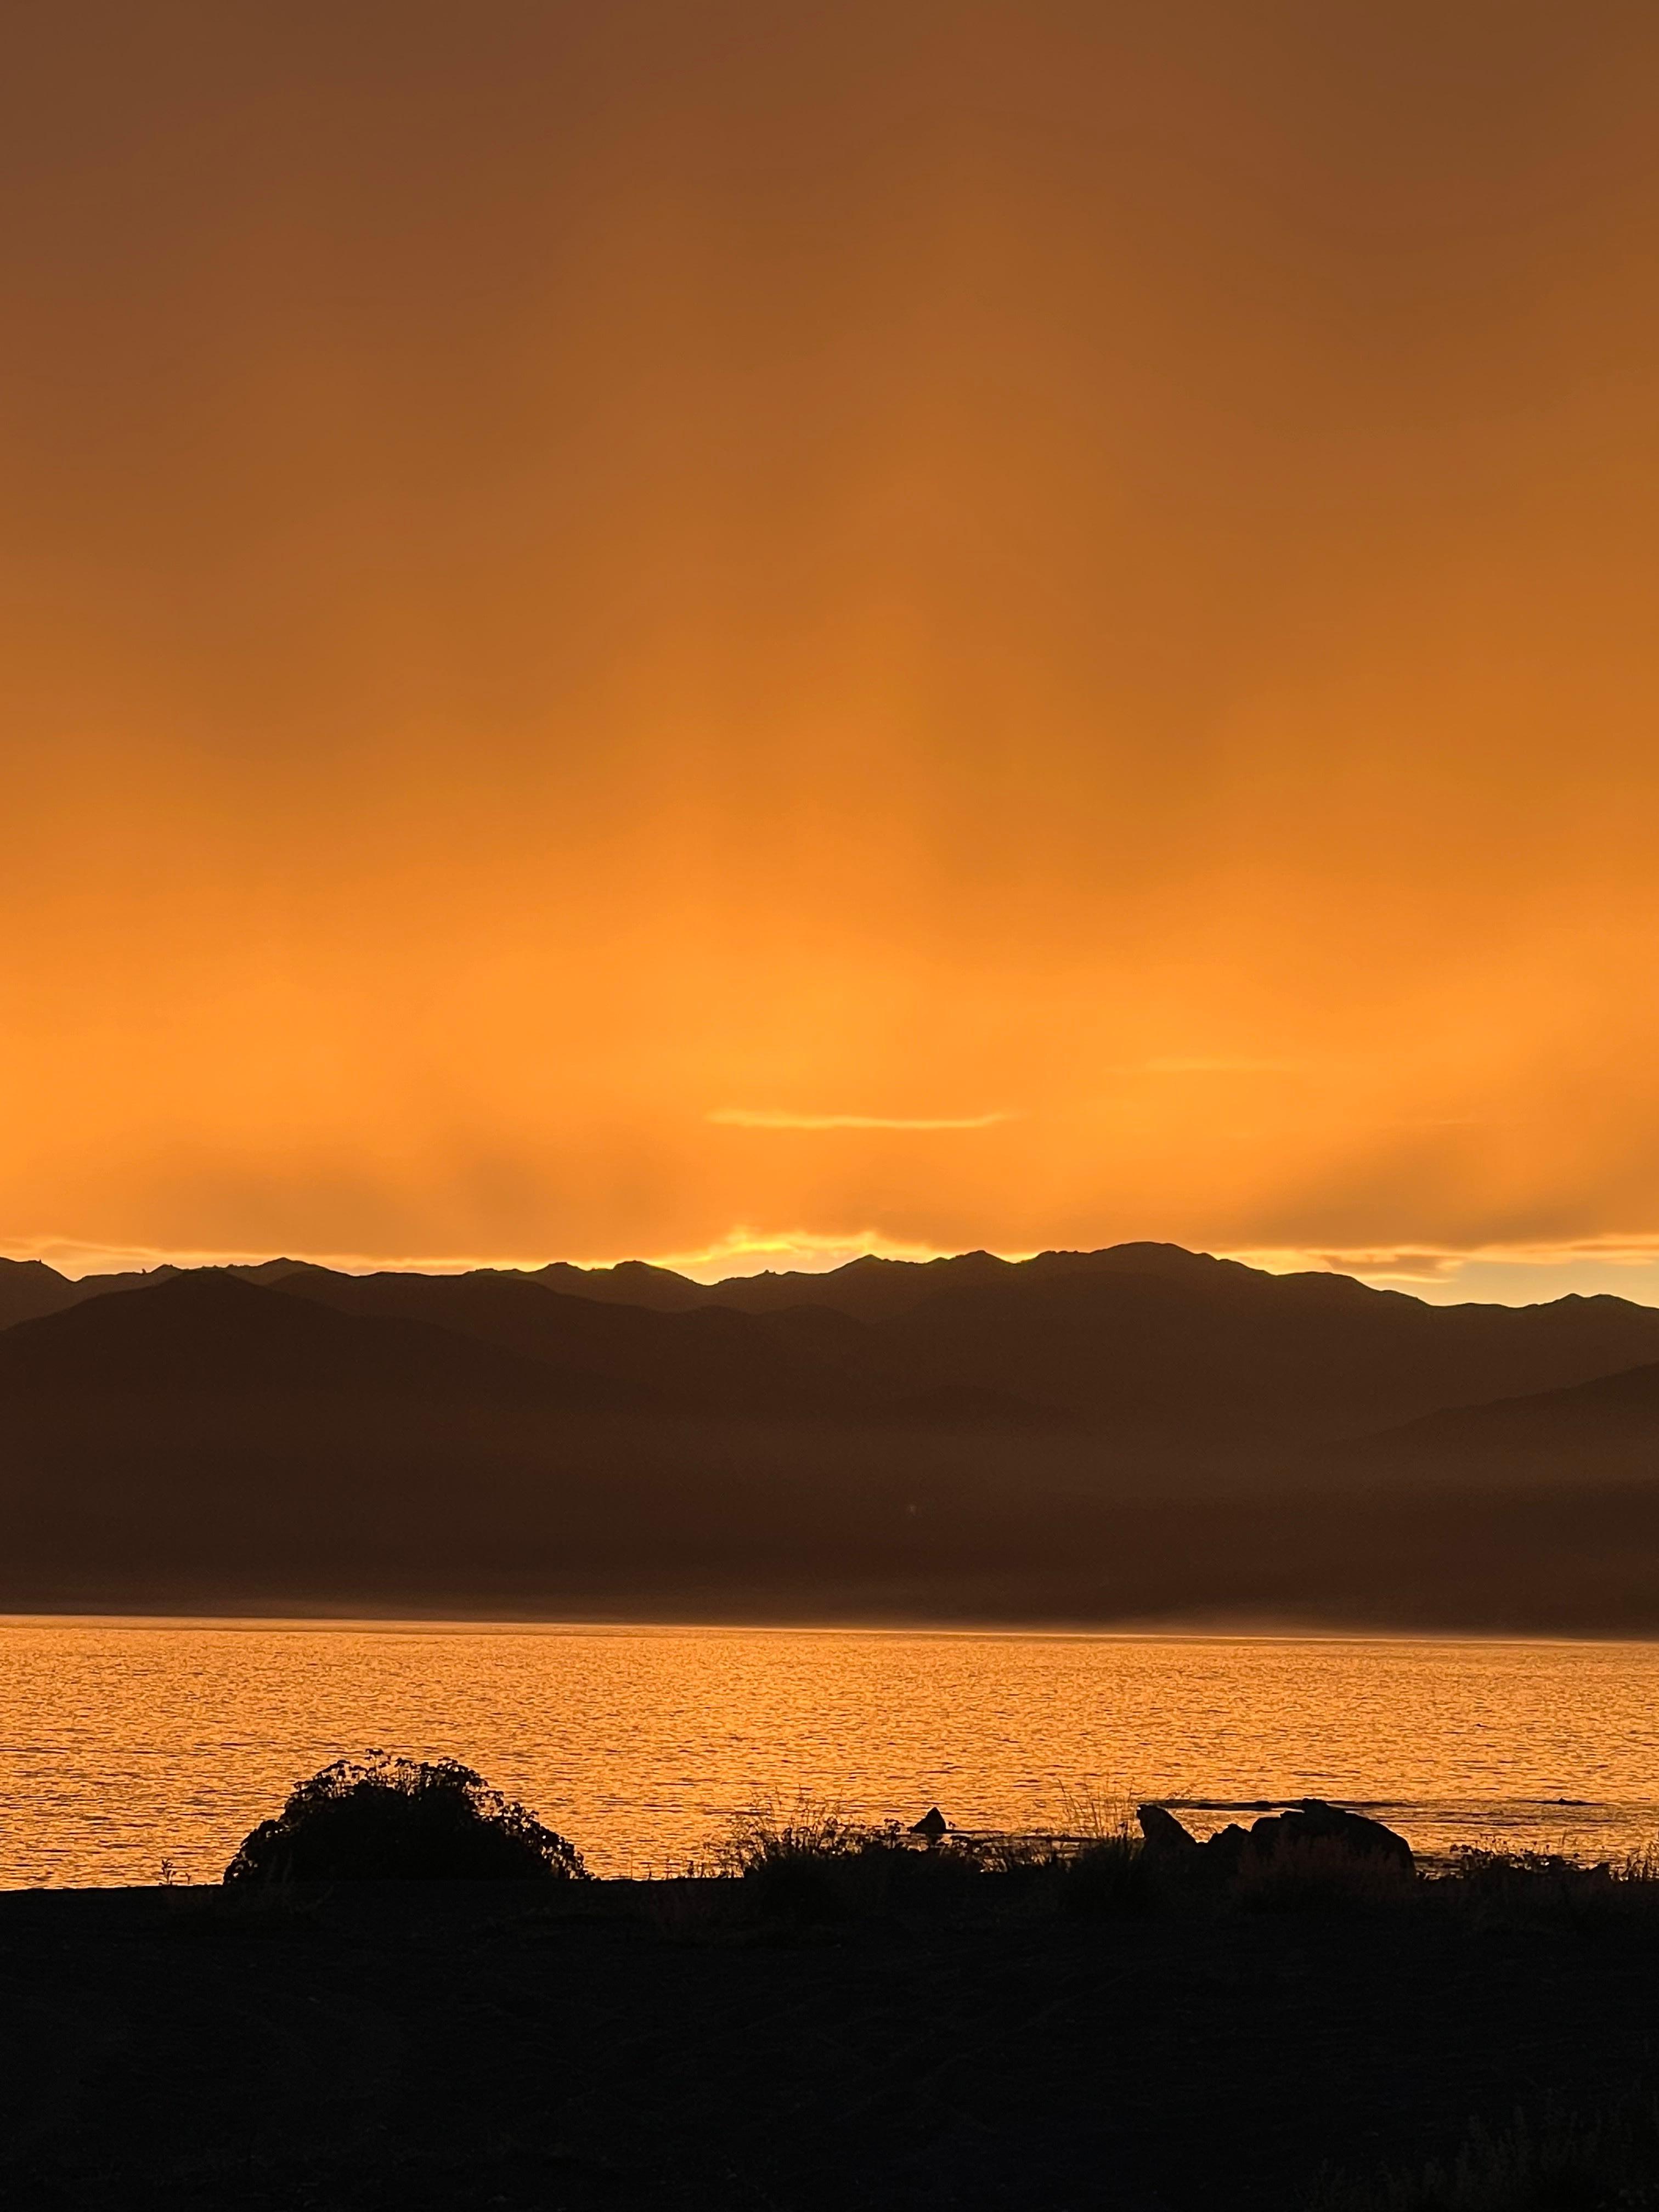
[1142, 1343]
[446, 2046]
[29, 1289]
[1608, 1429]
[1134, 1435]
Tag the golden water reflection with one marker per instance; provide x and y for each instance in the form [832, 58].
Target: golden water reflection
[125, 1742]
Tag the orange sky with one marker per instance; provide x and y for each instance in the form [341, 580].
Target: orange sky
[665, 629]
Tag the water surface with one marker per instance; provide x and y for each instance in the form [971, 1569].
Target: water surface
[123, 1743]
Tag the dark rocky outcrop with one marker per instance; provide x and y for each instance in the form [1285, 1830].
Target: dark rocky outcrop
[1164, 1835]
[1233, 1850]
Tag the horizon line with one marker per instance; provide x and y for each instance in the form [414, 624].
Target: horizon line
[1419, 1269]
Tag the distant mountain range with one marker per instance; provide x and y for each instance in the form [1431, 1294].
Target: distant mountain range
[1145, 1343]
[1142, 1429]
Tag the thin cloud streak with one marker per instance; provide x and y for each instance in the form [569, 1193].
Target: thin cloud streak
[742, 1117]
[1220, 1067]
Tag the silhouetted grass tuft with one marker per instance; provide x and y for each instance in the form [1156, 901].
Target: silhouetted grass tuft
[1108, 1876]
[1320, 1875]
[1605, 2159]
[769, 1835]
[808, 1861]
[1501, 1887]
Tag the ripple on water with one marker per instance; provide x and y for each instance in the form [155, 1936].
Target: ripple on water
[125, 1741]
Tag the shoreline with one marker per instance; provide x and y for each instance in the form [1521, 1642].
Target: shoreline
[442, 1623]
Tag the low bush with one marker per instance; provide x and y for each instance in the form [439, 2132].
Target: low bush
[380, 1818]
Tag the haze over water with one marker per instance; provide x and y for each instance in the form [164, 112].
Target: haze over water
[125, 1742]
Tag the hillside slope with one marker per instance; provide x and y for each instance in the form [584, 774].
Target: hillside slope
[1601, 1432]
[1149, 1346]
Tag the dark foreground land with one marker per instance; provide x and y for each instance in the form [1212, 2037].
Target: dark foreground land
[444, 2045]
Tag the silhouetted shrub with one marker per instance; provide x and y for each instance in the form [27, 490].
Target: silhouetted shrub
[380, 1818]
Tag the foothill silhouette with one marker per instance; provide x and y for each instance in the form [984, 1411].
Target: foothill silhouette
[1137, 1433]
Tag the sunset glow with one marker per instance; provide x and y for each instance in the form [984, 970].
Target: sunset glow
[741, 636]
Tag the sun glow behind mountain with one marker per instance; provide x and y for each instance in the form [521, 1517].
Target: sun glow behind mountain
[739, 635]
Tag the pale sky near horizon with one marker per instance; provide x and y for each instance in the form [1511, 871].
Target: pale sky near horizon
[724, 633]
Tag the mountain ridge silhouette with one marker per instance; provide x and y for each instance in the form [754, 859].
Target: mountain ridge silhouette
[1080, 1436]
[1144, 1339]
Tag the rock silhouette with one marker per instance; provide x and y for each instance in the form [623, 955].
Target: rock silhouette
[1275, 1836]
[1165, 1837]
